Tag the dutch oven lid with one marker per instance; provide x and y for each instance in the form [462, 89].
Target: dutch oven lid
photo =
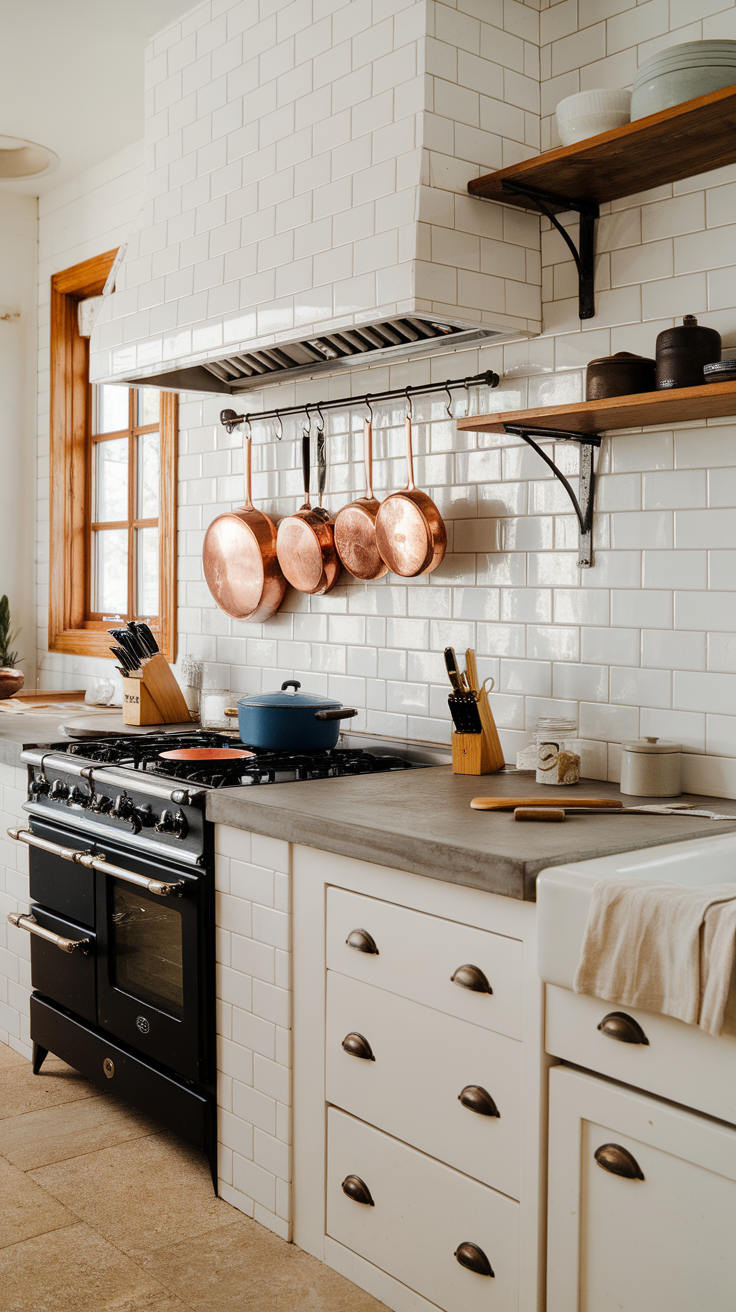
[620, 355]
[652, 745]
[288, 699]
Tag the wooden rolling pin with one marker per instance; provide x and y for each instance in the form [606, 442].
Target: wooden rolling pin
[510, 803]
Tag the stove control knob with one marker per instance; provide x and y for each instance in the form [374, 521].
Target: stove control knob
[58, 790]
[172, 824]
[78, 797]
[100, 804]
[123, 807]
[146, 816]
[38, 786]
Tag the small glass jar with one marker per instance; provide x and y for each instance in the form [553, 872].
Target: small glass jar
[558, 762]
[212, 703]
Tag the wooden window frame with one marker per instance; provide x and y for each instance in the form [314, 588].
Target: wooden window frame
[70, 629]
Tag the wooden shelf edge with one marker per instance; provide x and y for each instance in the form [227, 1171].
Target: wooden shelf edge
[598, 150]
[679, 405]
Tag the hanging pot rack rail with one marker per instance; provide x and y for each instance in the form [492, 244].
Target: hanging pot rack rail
[230, 420]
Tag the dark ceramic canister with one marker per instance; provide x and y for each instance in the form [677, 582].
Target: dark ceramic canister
[622, 374]
[683, 351]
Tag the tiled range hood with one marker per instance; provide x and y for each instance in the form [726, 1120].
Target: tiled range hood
[306, 203]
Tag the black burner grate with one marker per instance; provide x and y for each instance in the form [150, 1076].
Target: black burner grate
[143, 753]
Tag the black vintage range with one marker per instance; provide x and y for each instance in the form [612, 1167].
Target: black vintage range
[122, 923]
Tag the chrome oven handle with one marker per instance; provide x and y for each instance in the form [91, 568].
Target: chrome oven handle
[93, 862]
[33, 840]
[30, 923]
[158, 886]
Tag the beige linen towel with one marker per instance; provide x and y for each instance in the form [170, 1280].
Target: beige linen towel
[661, 947]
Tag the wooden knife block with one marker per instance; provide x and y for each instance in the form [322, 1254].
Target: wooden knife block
[478, 753]
[152, 695]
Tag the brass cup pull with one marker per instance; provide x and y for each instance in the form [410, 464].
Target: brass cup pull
[357, 1189]
[471, 1256]
[617, 1025]
[479, 1100]
[619, 1161]
[471, 977]
[356, 1046]
[362, 941]
[30, 923]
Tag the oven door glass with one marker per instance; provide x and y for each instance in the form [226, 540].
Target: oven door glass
[146, 950]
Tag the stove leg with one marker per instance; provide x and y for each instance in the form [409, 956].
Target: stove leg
[39, 1056]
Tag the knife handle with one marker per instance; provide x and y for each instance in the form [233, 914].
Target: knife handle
[452, 668]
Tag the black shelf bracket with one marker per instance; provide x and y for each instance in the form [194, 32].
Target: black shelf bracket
[584, 507]
[584, 257]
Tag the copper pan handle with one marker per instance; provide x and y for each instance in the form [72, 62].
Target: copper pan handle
[368, 457]
[410, 484]
[247, 470]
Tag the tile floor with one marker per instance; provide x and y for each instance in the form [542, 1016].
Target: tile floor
[103, 1211]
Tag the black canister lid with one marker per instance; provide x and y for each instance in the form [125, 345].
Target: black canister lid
[689, 333]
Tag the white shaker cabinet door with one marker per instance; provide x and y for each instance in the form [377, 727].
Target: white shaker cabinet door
[414, 1218]
[661, 1243]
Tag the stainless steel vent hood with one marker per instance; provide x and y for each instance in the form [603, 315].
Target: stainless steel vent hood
[307, 209]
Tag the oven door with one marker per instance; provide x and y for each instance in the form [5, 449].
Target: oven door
[152, 961]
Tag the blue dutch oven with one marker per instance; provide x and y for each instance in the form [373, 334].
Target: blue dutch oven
[290, 721]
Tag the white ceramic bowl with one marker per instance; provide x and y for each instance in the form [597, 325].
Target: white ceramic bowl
[591, 112]
[681, 73]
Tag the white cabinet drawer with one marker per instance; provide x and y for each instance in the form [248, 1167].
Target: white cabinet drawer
[653, 1230]
[679, 1061]
[418, 954]
[422, 1212]
[422, 1062]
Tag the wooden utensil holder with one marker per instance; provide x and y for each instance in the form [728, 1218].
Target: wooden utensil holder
[152, 695]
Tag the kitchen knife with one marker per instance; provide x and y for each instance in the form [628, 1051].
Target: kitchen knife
[453, 668]
[148, 637]
[141, 634]
[126, 641]
[136, 640]
[125, 658]
[554, 813]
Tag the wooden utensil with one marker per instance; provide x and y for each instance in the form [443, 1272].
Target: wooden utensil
[355, 525]
[510, 803]
[410, 531]
[305, 542]
[240, 561]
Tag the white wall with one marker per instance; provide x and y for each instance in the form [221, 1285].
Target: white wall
[18, 258]
[641, 643]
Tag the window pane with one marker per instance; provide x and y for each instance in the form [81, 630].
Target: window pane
[111, 480]
[110, 571]
[147, 581]
[148, 475]
[112, 409]
[148, 406]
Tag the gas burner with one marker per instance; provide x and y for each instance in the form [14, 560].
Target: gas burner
[143, 753]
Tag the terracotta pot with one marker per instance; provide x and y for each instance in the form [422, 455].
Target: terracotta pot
[11, 681]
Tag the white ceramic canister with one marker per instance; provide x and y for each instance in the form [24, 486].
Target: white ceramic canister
[650, 767]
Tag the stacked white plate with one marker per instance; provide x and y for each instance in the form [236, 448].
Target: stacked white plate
[681, 73]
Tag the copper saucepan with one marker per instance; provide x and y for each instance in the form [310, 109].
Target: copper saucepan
[410, 531]
[240, 562]
[306, 541]
[355, 525]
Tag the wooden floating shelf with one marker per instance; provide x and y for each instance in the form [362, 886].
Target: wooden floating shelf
[674, 144]
[675, 406]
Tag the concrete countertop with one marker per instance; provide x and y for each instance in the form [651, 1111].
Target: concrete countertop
[19, 731]
[421, 821]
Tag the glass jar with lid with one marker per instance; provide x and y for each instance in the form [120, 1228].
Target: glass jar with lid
[558, 761]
